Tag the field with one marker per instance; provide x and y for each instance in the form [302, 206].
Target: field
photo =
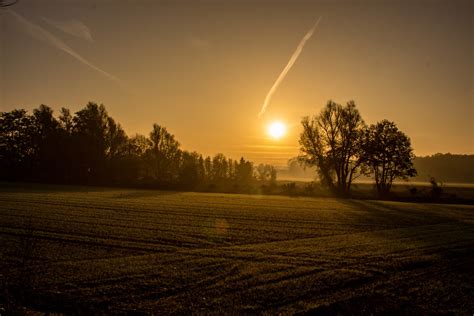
[66, 248]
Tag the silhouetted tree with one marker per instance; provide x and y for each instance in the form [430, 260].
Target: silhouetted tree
[243, 171]
[17, 147]
[46, 138]
[90, 132]
[116, 150]
[331, 142]
[133, 167]
[273, 176]
[388, 155]
[189, 171]
[116, 140]
[66, 121]
[231, 170]
[219, 168]
[91, 147]
[67, 160]
[201, 168]
[138, 145]
[266, 174]
[208, 167]
[163, 155]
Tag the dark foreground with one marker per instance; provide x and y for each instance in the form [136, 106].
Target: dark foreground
[90, 250]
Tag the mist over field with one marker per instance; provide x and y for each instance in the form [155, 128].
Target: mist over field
[447, 168]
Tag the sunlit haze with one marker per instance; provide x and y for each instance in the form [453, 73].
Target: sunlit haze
[204, 68]
[236, 157]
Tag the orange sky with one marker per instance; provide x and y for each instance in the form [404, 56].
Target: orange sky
[203, 69]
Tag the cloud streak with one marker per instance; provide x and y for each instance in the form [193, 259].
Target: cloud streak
[288, 66]
[41, 34]
[72, 27]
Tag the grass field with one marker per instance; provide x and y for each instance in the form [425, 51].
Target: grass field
[115, 250]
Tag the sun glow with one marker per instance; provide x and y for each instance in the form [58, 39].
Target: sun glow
[276, 130]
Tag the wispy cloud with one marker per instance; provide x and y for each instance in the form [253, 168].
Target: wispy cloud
[288, 66]
[72, 27]
[41, 34]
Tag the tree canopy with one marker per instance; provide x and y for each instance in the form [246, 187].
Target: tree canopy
[331, 142]
[387, 154]
[90, 147]
[340, 145]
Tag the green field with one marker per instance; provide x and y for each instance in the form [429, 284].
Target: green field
[83, 249]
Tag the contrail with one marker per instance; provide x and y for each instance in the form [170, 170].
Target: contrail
[43, 35]
[288, 66]
[72, 27]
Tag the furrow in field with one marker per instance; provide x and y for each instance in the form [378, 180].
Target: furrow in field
[87, 239]
[148, 250]
[193, 211]
[166, 210]
[187, 223]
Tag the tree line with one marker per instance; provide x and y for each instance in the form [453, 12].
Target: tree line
[447, 167]
[342, 147]
[90, 147]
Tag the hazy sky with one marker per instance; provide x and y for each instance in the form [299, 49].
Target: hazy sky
[203, 69]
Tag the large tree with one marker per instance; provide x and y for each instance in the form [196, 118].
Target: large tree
[90, 140]
[116, 151]
[17, 146]
[243, 171]
[388, 154]
[163, 155]
[331, 142]
[46, 137]
[219, 168]
[190, 173]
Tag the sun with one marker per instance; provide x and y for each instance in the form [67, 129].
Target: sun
[276, 129]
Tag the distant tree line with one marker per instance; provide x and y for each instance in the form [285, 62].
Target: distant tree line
[445, 168]
[90, 147]
[342, 147]
[448, 167]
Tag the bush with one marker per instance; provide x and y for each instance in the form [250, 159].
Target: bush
[436, 189]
